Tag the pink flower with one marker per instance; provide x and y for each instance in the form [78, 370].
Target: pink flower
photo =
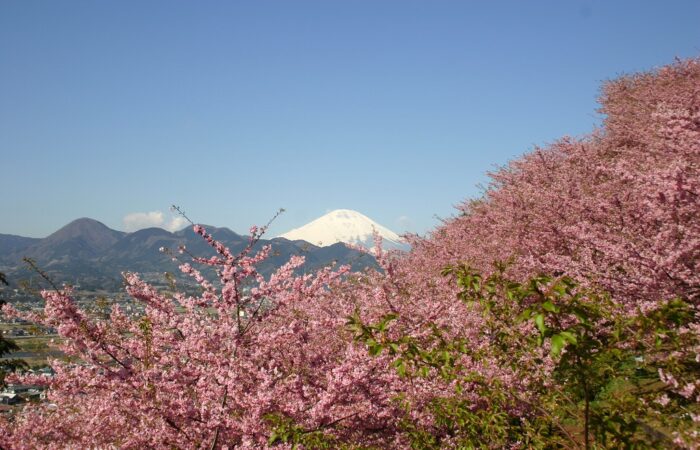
[663, 400]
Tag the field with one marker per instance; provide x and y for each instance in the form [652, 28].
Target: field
[35, 349]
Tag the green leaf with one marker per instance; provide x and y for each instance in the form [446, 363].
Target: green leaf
[389, 317]
[375, 349]
[524, 315]
[557, 344]
[446, 357]
[549, 306]
[400, 366]
[539, 321]
[568, 337]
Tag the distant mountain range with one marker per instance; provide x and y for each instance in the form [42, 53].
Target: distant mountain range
[88, 253]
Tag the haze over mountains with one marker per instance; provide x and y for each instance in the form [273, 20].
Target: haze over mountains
[88, 253]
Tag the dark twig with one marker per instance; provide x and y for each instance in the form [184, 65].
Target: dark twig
[32, 264]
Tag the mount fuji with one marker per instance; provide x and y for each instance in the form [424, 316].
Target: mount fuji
[347, 226]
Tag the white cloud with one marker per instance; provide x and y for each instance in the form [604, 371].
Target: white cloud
[176, 223]
[140, 220]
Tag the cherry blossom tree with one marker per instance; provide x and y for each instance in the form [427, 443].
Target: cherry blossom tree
[617, 211]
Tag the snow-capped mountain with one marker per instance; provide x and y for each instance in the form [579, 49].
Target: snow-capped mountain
[345, 225]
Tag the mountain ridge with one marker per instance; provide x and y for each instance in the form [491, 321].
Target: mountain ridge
[87, 252]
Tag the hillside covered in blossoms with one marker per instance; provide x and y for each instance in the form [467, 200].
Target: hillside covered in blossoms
[559, 310]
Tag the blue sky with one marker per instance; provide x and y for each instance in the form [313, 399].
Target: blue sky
[233, 109]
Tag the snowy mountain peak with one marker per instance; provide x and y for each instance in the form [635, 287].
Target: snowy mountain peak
[344, 225]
